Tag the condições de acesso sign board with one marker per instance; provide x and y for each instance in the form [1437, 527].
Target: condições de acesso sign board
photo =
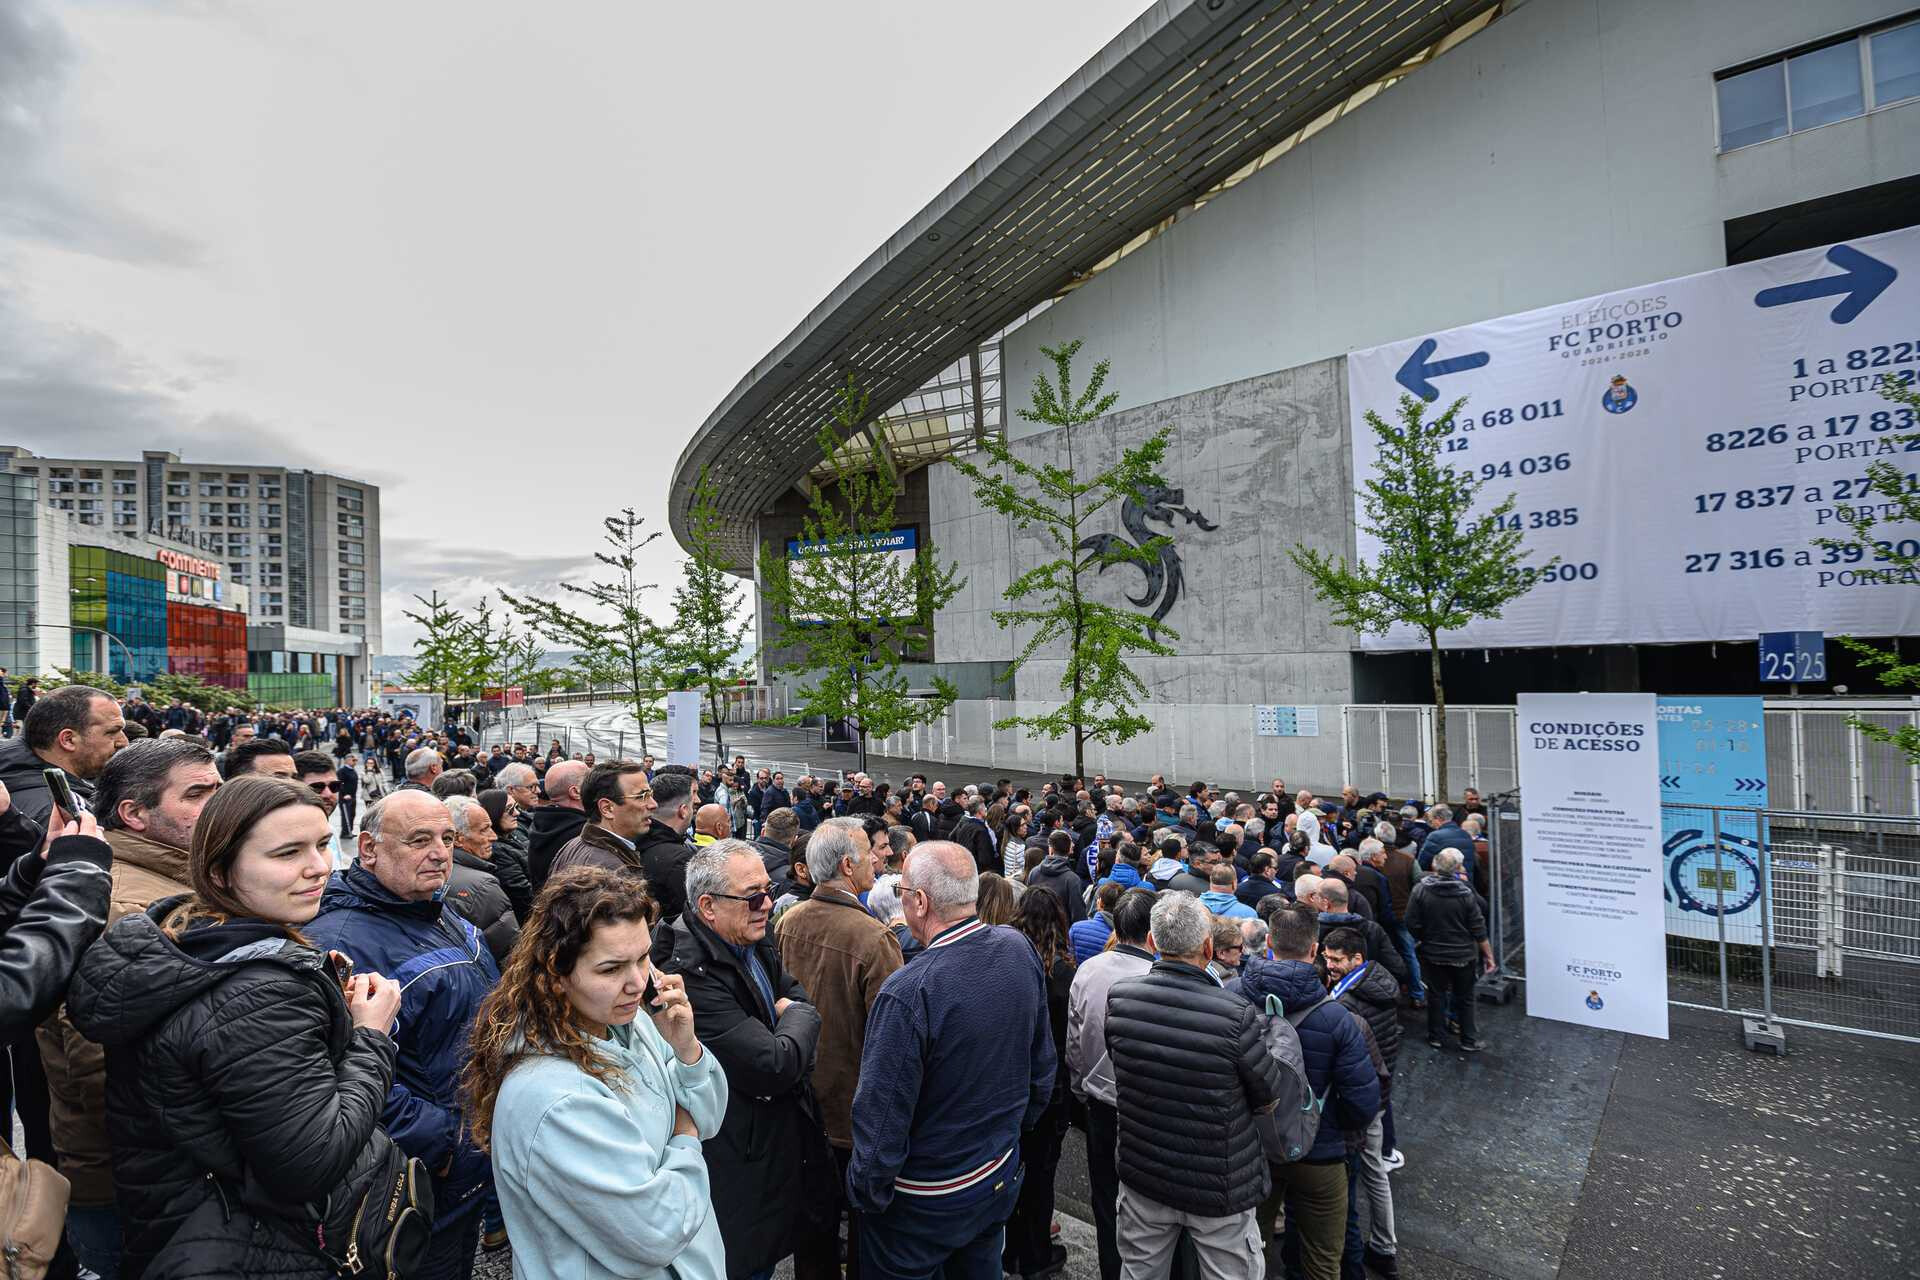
[1680, 446]
[897, 544]
[1591, 865]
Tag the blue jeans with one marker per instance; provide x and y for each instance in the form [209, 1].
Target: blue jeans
[920, 1237]
[94, 1233]
[1405, 939]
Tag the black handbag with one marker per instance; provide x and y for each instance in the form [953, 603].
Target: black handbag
[383, 1222]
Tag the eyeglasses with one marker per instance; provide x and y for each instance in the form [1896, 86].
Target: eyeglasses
[754, 901]
[323, 786]
[644, 793]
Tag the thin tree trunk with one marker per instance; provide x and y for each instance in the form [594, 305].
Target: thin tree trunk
[1439, 719]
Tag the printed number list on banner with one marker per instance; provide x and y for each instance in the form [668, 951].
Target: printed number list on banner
[1681, 447]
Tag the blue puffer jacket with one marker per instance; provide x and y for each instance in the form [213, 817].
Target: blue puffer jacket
[1089, 936]
[444, 970]
[1332, 1044]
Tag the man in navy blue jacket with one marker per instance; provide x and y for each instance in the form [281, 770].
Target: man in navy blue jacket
[938, 1113]
[1339, 1066]
[385, 912]
[1446, 834]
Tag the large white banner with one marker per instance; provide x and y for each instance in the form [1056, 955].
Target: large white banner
[1591, 874]
[683, 728]
[1680, 446]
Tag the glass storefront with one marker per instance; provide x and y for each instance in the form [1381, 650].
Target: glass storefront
[126, 597]
[208, 643]
[291, 680]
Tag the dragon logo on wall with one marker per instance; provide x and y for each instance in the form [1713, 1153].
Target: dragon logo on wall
[1164, 574]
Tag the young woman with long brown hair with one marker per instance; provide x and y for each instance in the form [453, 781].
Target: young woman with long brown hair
[243, 1065]
[588, 1086]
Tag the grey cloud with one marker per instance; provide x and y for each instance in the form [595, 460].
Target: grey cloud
[79, 392]
[419, 563]
[40, 201]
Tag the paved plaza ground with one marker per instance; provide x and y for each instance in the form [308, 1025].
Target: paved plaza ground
[1567, 1152]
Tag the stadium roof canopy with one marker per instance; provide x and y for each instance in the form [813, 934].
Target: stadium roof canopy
[1192, 97]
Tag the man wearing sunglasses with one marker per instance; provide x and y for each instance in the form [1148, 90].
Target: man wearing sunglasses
[771, 1172]
[315, 770]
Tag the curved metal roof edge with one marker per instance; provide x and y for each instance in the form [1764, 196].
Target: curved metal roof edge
[909, 248]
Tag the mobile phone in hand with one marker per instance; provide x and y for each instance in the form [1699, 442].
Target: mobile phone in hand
[651, 996]
[56, 780]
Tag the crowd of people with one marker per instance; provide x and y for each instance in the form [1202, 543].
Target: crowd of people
[633, 1020]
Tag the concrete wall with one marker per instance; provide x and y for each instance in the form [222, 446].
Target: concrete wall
[1567, 150]
[1265, 460]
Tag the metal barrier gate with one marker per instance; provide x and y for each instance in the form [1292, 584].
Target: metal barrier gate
[1839, 916]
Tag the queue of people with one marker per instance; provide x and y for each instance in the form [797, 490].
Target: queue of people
[574, 1011]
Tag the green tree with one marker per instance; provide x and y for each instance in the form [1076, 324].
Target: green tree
[1895, 500]
[624, 650]
[853, 616]
[1440, 566]
[708, 634]
[63, 676]
[1051, 600]
[443, 650]
[195, 692]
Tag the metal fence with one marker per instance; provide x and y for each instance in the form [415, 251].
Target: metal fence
[1793, 916]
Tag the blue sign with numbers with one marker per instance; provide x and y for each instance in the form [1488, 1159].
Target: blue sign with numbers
[1713, 752]
[1793, 657]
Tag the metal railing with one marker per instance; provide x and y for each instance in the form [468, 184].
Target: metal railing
[1792, 916]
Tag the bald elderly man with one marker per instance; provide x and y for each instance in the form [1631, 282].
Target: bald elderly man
[551, 825]
[935, 1155]
[711, 823]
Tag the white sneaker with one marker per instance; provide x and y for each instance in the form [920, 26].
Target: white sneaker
[1395, 1161]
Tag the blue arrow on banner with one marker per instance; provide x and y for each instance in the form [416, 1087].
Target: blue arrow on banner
[1414, 374]
[1863, 280]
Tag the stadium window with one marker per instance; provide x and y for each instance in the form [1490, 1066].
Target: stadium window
[1805, 88]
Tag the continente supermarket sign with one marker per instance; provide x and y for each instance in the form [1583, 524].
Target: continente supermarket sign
[188, 564]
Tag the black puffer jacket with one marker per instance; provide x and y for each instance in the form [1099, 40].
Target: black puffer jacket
[228, 1052]
[50, 913]
[1190, 1068]
[1375, 996]
[548, 828]
[664, 855]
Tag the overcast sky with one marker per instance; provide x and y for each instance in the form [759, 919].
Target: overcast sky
[500, 259]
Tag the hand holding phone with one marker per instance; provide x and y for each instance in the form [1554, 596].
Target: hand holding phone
[56, 780]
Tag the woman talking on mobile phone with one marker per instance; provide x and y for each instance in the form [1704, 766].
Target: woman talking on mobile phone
[589, 1088]
[245, 1069]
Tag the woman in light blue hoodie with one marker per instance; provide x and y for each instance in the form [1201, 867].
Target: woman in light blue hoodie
[588, 1086]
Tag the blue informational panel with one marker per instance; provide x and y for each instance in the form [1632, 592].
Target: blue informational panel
[1793, 657]
[1713, 751]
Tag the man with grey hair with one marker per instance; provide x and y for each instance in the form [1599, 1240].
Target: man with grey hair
[473, 884]
[1197, 1168]
[971, 834]
[1450, 922]
[424, 764]
[842, 955]
[1446, 834]
[958, 1060]
[768, 1160]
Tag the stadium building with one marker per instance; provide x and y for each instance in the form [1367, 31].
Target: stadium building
[1253, 209]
